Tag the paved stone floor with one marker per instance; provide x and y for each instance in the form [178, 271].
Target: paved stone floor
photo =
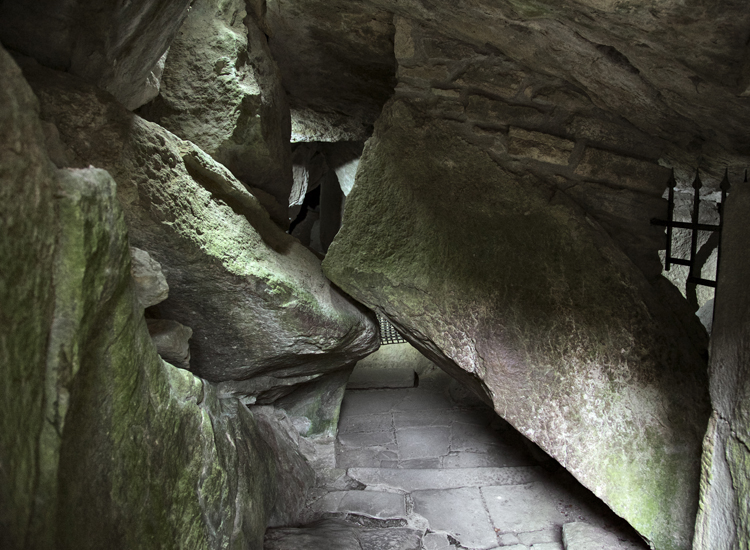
[433, 468]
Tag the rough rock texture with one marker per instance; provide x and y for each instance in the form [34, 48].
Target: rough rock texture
[151, 286]
[294, 475]
[336, 61]
[579, 535]
[119, 47]
[314, 407]
[537, 124]
[260, 308]
[161, 474]
[503, 281]
[171, 341]
[103, 444]
[222, 91]
[676, 70]
[336, 534]
[724, 517]
[27, 184]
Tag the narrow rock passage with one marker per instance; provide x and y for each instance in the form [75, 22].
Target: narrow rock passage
[433, 468]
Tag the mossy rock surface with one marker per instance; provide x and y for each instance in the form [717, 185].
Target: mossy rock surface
[263, 314]
[103, 445]
[502, 281]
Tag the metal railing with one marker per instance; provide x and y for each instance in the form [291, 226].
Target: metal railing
[388, 333]
[693, 225]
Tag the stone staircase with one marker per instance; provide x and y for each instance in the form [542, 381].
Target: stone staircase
[431, 467]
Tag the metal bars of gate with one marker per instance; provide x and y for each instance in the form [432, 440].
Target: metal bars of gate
[694, 226]
[388, 333]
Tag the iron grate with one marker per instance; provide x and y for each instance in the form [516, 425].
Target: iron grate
[388, 333]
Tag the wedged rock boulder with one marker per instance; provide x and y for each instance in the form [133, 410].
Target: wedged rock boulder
[261, 310]
[678, 70]
[27, 185]
[149, 456]
[723, 520]
[171, 341]
[103, 444]
[119, 47]
[151, 286]
[222, 90]
[504, 282]
[336, 62]
[314, 407]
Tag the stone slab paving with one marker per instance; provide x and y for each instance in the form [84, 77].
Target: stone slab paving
[380, 378]
[408, 480]
[437, 461]
[460, 512]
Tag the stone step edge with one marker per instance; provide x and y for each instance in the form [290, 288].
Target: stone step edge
[423, 479]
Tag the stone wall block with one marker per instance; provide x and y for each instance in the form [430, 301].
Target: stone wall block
[539, 146]
[256, 299]
[119, 47]
[516, 292]
[620, 171]
[487, 111]
[222, 91]
[493, 78]
[151, 286]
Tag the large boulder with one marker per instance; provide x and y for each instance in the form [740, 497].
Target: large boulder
[336, 62]
[677, 70]
[27, 184]
[222, 91]
[149, 455]
[104, 445]
[724, 518]
[502, 280]
[261, 310]
[119, 47]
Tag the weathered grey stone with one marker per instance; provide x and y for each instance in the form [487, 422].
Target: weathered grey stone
[171, 341]
[583, 536]
[222, 91]
[318, 403]
[623, 172]
[27, 184]
[256, 299]
[706, 315]
[530, 507]
[523, 299]
[625, 59]
[337, 80]
[336, 534]
[117, 442]
[490, 111]
[293, 476]
[151, 286]
[378, 504]
[470, 524]
[539, 146]
[724, 516]
[423, 479]
[119, 47]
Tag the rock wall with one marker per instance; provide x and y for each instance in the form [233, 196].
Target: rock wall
[677, 71]
[104, 445]
[119, 47]
[221, 90]
[513, 250]
[724, 517]
[263, 315]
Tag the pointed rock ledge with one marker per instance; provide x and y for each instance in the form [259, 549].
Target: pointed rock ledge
[505, 284]
[262, 313]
